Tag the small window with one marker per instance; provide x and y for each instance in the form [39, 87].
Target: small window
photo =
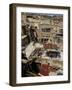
[46, 29]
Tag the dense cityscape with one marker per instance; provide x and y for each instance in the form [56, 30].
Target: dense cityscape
[41, 44]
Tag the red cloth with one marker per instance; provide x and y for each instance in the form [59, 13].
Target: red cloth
[44, 69]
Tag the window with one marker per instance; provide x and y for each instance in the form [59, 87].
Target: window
[46, 29]
[61, 30]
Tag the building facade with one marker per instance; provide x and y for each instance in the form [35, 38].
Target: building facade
[49, 28]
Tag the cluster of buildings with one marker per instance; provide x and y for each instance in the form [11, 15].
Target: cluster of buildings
[49, 27]
[47, 31]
